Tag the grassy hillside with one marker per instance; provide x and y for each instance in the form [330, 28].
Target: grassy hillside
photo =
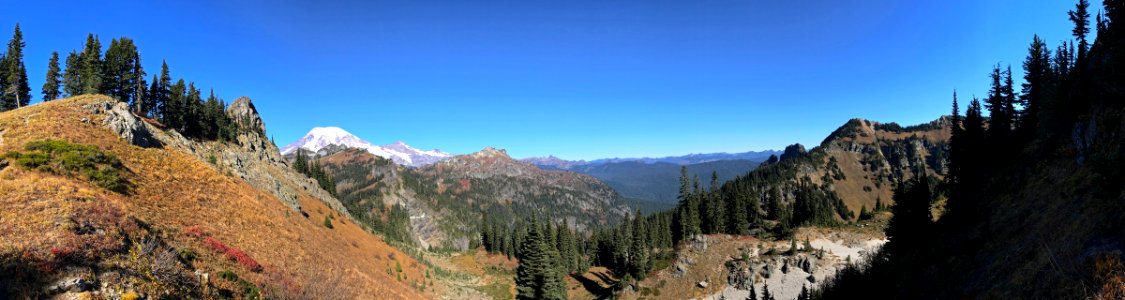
[177, 214]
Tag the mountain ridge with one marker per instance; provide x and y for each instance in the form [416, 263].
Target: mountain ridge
[320, 137]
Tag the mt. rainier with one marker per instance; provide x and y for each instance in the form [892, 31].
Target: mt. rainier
[320, 137]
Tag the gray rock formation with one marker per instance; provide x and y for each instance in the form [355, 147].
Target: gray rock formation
[251, 157]
[244, 113]
[122, 122]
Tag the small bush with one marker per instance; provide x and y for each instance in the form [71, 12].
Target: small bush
[327, 222]
[187, 255]
[65, 158]
[231, 253]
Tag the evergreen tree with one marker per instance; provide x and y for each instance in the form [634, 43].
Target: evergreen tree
[688, 213]
[123, 76]
[737, 214]
[536, 275]
[911, 216]
[999, 120]
[51, 85]
[753, 293]
[1081, 19]
[1010, 98]
[638, 249]
[17, 93]
[804, 295]
[1034, 94]
[162, 94]
[766, 292]
[715, 209]
[72, 76]
[300, 162]
[90, 73]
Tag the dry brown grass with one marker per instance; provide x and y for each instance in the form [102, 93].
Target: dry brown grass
[172, 191]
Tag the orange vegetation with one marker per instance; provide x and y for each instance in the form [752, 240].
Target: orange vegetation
[173, 191]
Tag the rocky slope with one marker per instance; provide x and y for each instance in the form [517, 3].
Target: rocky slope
[446, 199]
[859, 164]
[194, 219]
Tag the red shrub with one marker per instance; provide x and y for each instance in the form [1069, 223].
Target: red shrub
[243, 259]
[215, 245]
[194, 231]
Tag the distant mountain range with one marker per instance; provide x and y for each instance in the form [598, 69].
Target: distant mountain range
[321, 137]
[657, 179]
[689, 159]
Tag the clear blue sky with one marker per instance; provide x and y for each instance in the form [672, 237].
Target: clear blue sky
[577, 79]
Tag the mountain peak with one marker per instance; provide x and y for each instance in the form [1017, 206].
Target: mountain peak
[322, 137]
[492, 152]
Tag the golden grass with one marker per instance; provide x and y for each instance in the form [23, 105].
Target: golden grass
[172, 190]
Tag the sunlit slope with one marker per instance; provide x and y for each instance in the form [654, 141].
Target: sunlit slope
[44, 215]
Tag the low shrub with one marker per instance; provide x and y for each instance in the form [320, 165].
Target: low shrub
[65, 158]
[231, 253]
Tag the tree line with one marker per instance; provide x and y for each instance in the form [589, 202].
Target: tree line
[117, 72]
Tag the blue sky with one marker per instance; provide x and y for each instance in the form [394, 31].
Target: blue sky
[577, 79]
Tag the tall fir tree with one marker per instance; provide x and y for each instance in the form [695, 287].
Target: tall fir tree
[1035, 94]
[90, 73]
[1081, 19]
[123, 75]
[536, 275]
[51, 85]
[72, 75]
[638, 249]
[999, 123]
[17, 93]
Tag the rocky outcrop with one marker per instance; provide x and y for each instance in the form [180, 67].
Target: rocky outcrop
[251, 157]
[244, 113]
[122, 122]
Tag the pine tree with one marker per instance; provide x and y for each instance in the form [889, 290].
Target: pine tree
[51, 85]
[536, 275]
[17, 93]
[161, 93]
[766, 292]
[688, 213]
[638, 249]
[1009, 98]
[122, 75]
[911, 216]
[999, 121]
[72, 76]
[178, 106]
[715, 208]
[1081, 19]
[1034, 94]
[753, 293]
[804, 295]
[90, 74]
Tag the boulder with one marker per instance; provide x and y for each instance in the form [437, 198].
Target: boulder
[121, 121]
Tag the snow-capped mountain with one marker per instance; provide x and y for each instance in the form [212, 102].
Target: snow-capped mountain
[320, 137]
